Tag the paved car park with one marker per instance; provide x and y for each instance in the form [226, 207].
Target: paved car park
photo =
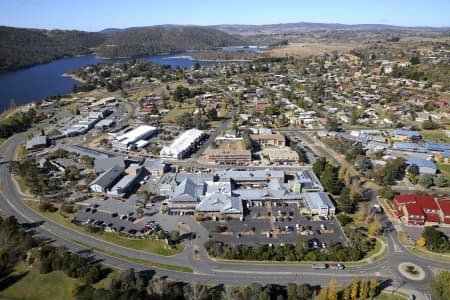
[311, 157]
[276, 225]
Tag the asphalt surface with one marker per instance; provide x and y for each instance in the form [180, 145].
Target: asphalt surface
[207, 270]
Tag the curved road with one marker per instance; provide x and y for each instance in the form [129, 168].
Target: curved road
[207, 270]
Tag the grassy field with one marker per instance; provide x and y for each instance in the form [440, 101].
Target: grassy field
[33, 285]
[435, 136]
[445, 169]
[151, 246]
[175, 112]
[390, 296]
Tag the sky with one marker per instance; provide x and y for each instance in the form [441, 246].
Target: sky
[95, 15]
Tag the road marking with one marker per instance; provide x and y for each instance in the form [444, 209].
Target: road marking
[396, 247]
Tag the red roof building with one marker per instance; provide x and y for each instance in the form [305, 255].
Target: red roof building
[444, 204]
[416, 210]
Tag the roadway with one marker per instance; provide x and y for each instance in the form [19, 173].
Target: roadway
[207, 270]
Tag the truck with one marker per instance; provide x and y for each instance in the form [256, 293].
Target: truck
[319, 266]
[336, 266]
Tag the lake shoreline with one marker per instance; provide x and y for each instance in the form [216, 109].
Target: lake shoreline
[74, 77]
[193, 58]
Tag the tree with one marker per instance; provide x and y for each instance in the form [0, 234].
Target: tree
[413, 170]
[387, 193]
[330, 180]
[374, 227]
[421, 242]
[363, 289]
[229, 293]
[212, 114]
[346, 294]
[436, 239]
[291, 291]
[426, 180]
[440, 287]
[373, 287]
[441, 181]
[195, 291]
[332, 290]
[354, 288]
[174, 235]
[415, 60]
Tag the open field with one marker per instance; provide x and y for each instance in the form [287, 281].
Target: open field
[175, 112]
[33, 285]
[308, 49]
[435, 136]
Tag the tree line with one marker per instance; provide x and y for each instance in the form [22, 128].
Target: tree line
[19, 123]
[21, 48]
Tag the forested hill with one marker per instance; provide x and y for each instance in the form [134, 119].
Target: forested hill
[26, 47]
[157, 40]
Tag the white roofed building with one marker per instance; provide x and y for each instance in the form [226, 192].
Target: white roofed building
[182, 145]
[124, 141]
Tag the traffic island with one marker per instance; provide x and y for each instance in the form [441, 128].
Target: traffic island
[411, 271]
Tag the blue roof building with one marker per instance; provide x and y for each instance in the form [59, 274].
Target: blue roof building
[438, 147]
[412, 147]
[425, 166]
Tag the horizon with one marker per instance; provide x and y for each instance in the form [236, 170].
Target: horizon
[102, 14]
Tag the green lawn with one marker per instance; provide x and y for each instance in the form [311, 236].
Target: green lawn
[390, 296]
[175, 112]
[445, 170]
[151, 246]
[33, 285]
[435, 136]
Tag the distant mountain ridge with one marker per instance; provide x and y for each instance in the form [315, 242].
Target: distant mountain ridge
[309, 26]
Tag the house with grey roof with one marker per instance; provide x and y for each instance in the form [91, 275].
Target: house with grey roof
[154, 167]
[103, 164]
[425, 166]
[125, 185]
[185, 196]
[106, 180]
[37, 143]
[317, 204]
[305, 181]
[220, 204]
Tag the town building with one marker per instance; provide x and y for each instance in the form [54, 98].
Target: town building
[417, 210]
[317, 204]
[183, 145]
[269, 140]
[228, 156]
[281, 155]
[124, 186]
[425, 166]
[405, 135]
[107, 179]
[103, 164]
[37, 143]
[125, 141]
[305, 181]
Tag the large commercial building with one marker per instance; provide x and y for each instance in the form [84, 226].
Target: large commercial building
[126, 140]
[269, 140]
[226, 156]
[121, 188]
[183, 145]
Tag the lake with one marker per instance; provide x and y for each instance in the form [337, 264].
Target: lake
[40, 81]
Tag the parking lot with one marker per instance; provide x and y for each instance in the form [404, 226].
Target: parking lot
[311, 157]
[276, 225]
[121, 216]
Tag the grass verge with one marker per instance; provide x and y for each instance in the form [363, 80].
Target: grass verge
[139, 261]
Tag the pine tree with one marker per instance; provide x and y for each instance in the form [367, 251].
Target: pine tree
[373, 286]
[354, 289]
[363, 289]
[332, 290]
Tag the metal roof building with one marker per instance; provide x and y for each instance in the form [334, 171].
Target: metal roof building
[182, 145]
[403, 146]
[140, 133]
[318, 204]
[425, 166]
[106, 179]
[124, 185]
